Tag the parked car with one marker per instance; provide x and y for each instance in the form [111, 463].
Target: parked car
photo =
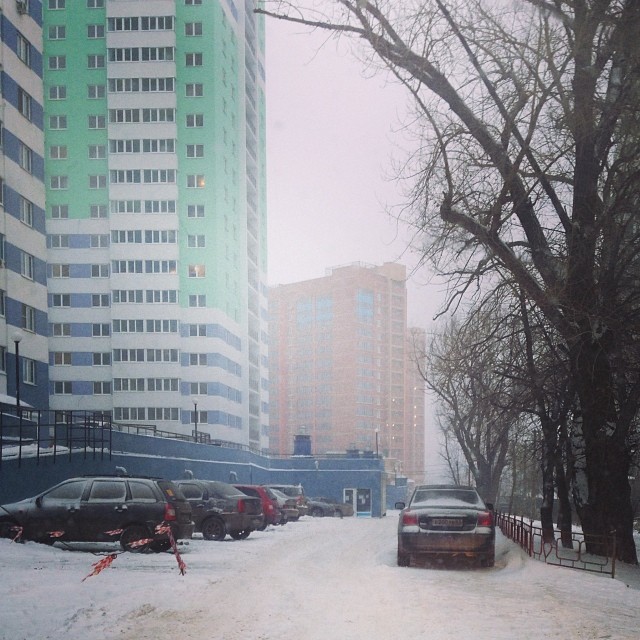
[270, 509]
[219, 509]
[320, 507]
[293, 491]
[444, 522]
[287, 505]
[100, 509]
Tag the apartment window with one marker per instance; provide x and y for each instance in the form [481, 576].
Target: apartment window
[95, 61]
[97, 122]
[158, 115]
[197, 301]
[153, 85]
[159, 176]
[100, 330]
[101, 359]
[193, 29]
[97, 182]
[198, 330]
[196, 241]
[27, 265]
[57, 63]
[61, 300]
[101, 388]
[59, 270]
[98, 210]
[195, 151]
[59, 241]
[100, 300]
[124, 296]
[62, 358]
[194, 90]
[29, 371]
[195, 120]
[3, 303]
[193, 59]
[3, 359]
[28, 318]
[26, 211]
[24, 103]
[58, 152]
[58, 92]
[152, 54]
[192, 3]
[156, 23]
[25, 158]
[57, 4]
[59, 182]
[160, 236]
[61, 387]
[57, 122]
[97, 151]
[124, 85]
[60, 211]
[124, 115]
[95, 4]
[99, 241]
[95, 31]
[164, 296]
[197, 271]
[23, 49]
[159, 206]
[159, 145]
[57, 32]
[122, 24]
[195, 181]
[2, 193]
[99, 270]
[162, 384]
[60, 329]
[198, 389]
[195, 211]
[198, 359]
[96, 91]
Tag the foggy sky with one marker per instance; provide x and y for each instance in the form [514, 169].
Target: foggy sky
[332, 137]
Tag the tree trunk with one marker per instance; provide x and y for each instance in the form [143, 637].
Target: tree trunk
[565, 517]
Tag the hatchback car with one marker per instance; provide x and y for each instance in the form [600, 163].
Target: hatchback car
[293, 491]
[443, 522]
[101, 509]
[270, 510]
[219, 509]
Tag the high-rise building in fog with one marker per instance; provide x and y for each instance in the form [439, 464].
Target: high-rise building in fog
[341, 367]
[154, 122]
[23, 278]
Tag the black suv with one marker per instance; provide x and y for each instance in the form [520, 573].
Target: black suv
[99, 509]
[219, 509]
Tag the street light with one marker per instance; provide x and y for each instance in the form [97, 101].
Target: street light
[195, 419]
[377, 442]
[17, 337]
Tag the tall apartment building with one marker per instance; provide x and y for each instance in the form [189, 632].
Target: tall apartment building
[341, 366]
[23, 293]
[154, 168]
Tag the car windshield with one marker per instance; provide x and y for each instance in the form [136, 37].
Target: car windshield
[447, 498]
[223, 490]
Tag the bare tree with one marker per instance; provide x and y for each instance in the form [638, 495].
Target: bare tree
[529, 172]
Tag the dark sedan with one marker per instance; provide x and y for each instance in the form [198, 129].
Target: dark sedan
[219, 509]
[444, 522]
[320, 507]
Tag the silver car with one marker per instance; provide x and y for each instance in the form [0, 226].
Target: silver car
[446, 522]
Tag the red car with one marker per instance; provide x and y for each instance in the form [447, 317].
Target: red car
[270, 508]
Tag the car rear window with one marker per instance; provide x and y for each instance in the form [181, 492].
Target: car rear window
[223, 490]
[447, 497]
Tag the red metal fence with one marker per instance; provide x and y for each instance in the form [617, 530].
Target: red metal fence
[574, 555]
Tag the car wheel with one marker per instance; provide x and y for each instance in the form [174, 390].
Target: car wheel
[404, 559]
[489, 561]
[130, 537]
[337, 513]
[240, 535]
[214, 529]
[159, 546]
[317, 512]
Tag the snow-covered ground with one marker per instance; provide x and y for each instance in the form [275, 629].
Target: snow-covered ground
[309, 580]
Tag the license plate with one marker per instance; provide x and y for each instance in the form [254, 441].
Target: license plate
[447, 523]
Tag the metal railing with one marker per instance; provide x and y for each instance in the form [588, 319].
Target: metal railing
[35, 433]
[574, 553]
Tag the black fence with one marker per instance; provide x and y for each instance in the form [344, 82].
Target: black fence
[36, 433]
[573, 554]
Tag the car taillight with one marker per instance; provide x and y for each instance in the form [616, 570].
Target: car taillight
[169, 512]
[485, 519]
[241, 506]
[409, 519]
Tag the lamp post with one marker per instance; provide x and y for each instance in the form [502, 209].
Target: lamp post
[195, 419]
[377, 443]
[17, 337]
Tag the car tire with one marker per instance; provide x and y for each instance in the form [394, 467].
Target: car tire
[213, 529]
[488, 562]
[131, 535]
[404, 559]
[8, 528]
[160, 546]
[317, 512]
[240, 535]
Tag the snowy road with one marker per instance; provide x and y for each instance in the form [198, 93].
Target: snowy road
[306, 581]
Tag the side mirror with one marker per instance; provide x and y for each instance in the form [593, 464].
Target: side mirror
[400, 505]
